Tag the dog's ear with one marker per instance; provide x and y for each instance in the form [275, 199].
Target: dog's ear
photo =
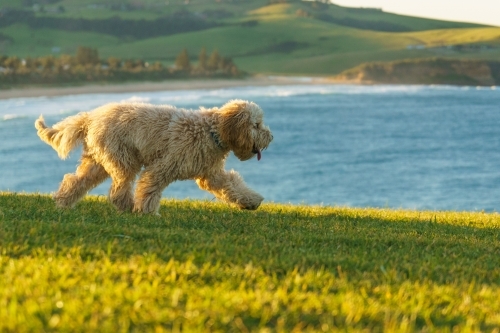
[235, 127]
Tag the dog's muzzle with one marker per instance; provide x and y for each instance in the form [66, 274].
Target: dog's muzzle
[261, 145]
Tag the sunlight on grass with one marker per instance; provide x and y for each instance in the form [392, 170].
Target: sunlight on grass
[455, 36]
[275, 10]
[204, 266]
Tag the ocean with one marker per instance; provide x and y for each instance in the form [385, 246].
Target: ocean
[394, 146]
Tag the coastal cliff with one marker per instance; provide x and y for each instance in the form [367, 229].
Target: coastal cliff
[426, 71]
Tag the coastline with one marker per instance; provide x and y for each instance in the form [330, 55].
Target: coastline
[168, 85]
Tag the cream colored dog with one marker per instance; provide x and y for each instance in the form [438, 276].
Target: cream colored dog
[167, 143]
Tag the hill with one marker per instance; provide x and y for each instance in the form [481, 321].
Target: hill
[205, 266]
[288, 37]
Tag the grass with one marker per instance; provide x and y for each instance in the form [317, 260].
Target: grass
[204, 266]
[434, 38]
[40, 42]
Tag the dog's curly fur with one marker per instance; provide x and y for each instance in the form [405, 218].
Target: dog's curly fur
[163, 144]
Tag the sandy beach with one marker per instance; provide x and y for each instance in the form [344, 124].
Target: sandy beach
[158, 86]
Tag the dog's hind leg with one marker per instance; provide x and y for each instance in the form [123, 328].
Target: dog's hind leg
[230, 187]
[148, 191]
[73, 187]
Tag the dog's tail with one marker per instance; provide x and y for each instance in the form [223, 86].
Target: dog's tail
[65, 135]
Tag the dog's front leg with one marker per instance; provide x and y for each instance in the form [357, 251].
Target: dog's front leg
[230, 187]
[148, 190]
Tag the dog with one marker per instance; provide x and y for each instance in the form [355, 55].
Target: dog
[162, 144]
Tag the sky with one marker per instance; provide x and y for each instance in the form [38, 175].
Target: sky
[473, 11]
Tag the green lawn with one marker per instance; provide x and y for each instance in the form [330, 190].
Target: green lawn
[204, 266]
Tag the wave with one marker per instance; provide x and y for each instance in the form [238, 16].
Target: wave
[136, 99]
[62, 105]
[8, 117]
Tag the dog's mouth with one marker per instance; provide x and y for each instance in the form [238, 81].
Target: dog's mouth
[258, 152]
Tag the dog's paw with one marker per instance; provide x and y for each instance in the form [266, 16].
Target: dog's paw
[63, 202]
[251, 203]
[139, 210]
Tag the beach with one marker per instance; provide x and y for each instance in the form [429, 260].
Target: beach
[168, 85]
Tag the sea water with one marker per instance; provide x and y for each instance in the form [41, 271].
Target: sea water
[415, 147]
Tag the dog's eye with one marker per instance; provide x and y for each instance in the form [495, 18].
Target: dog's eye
[257, 125]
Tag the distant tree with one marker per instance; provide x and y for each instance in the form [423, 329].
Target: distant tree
[114, 63]
[202, 58]
[128, 64]
[225, 62]
[47, 62]
[30, 63]
[214, 60]
[86, 56]
[66, 60]
[139, 63]
[12, 63]
[235, 71]
[87, 67]
[319, 4]
[182, 61]
[156, 66]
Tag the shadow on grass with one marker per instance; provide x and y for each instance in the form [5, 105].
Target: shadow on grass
[276, 238]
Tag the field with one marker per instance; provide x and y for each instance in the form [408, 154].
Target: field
[298, 37]
[204, 266]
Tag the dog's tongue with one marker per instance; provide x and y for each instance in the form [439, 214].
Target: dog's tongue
[259, 155]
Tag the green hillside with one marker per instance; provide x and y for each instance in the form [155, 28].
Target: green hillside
[289, 37]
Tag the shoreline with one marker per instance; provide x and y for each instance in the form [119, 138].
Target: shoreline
[168, 85]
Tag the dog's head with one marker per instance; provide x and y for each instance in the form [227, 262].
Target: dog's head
[241, 127]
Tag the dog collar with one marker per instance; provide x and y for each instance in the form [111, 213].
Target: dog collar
[216, 139]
